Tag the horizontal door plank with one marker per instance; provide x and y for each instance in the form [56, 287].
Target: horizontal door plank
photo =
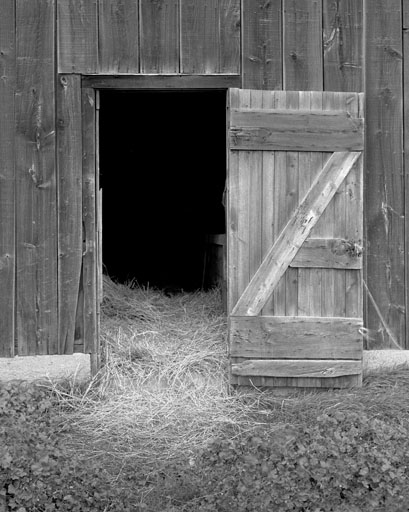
[328, 253]
[288, 337]
[295, 233]
[299, 368]
[295, 131]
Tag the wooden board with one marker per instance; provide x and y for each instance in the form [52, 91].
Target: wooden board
[7, 197]
[297, 130]
[286, 337]
[118, 36]
[343, 45]
[328, 253]
[210, 36]
[77, 36]
[36, 208]
[302, 48]
[159, 28]
[89, 218]
[405, 20]
[295, 233]
[262, 44]
[70, 230]
[162, 82]
[267, 191]
[297, 368]
[384, 180]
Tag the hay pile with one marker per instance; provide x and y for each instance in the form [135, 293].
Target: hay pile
[162, 392]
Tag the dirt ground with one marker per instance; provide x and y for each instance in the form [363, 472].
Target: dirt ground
[78, 365]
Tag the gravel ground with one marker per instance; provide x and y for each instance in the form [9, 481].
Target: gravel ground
[55, 367]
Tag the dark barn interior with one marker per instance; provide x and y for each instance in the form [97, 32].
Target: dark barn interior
[162, 171]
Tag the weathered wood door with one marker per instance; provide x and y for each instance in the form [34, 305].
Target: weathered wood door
[294, 238]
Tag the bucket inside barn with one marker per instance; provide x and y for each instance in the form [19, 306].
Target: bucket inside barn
[162, 172]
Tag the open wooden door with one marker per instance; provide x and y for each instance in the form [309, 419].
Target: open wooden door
[294, 229]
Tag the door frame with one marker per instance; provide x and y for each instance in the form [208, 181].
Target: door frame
[91, 85]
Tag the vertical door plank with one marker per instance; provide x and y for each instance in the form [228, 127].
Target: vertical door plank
[280, 212]
[77, 36]
[327, 227]
[315, 274]
[292, 200]
[302, 45]
[229, 36]
[35, 179]
[342, 45]
[89, 261]
[255, 197]
[70, 235]
[7, 197]
[159, 27]
[268, 206]
[384, 180]
[232, 212]
[304, 183]
[262, 41]
[353, 221]
[118, 36]
[405, 20]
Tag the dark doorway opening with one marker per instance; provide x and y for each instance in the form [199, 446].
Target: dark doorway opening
[162, 171]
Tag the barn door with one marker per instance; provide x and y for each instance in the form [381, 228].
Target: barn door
[294, 238]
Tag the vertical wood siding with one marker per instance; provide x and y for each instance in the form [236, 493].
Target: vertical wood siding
[77, 36]
[118, 36]
[159, 30]
[342, 45]
[7, 218]
[70, 235]
[262, 59]
[149, 36]
[405, 20]
[303, 45]
[384, 184]
[89, 222]
[284, 44]
[35, 179]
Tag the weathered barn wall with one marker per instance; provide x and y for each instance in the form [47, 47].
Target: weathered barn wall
[149, 36]
[278, 44]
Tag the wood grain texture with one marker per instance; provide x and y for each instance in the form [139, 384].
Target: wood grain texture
[89, 217]
[343, 45]
[70, 230]
[384, 179]
[159, 26]
[229, 36]
[328, 253]
[77, 36]
[298, 337]
[36, 208]
[301, 368]
[118, 36]
[135, 82]
[291, 238]
[302, 49]
[210, 36]
[7, 195]
[405, 22]
[253, 129]
[262, 45]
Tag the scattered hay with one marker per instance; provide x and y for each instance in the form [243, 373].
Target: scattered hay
[162, 393]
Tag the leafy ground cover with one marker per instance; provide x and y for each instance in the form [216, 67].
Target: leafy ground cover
[158, 430]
